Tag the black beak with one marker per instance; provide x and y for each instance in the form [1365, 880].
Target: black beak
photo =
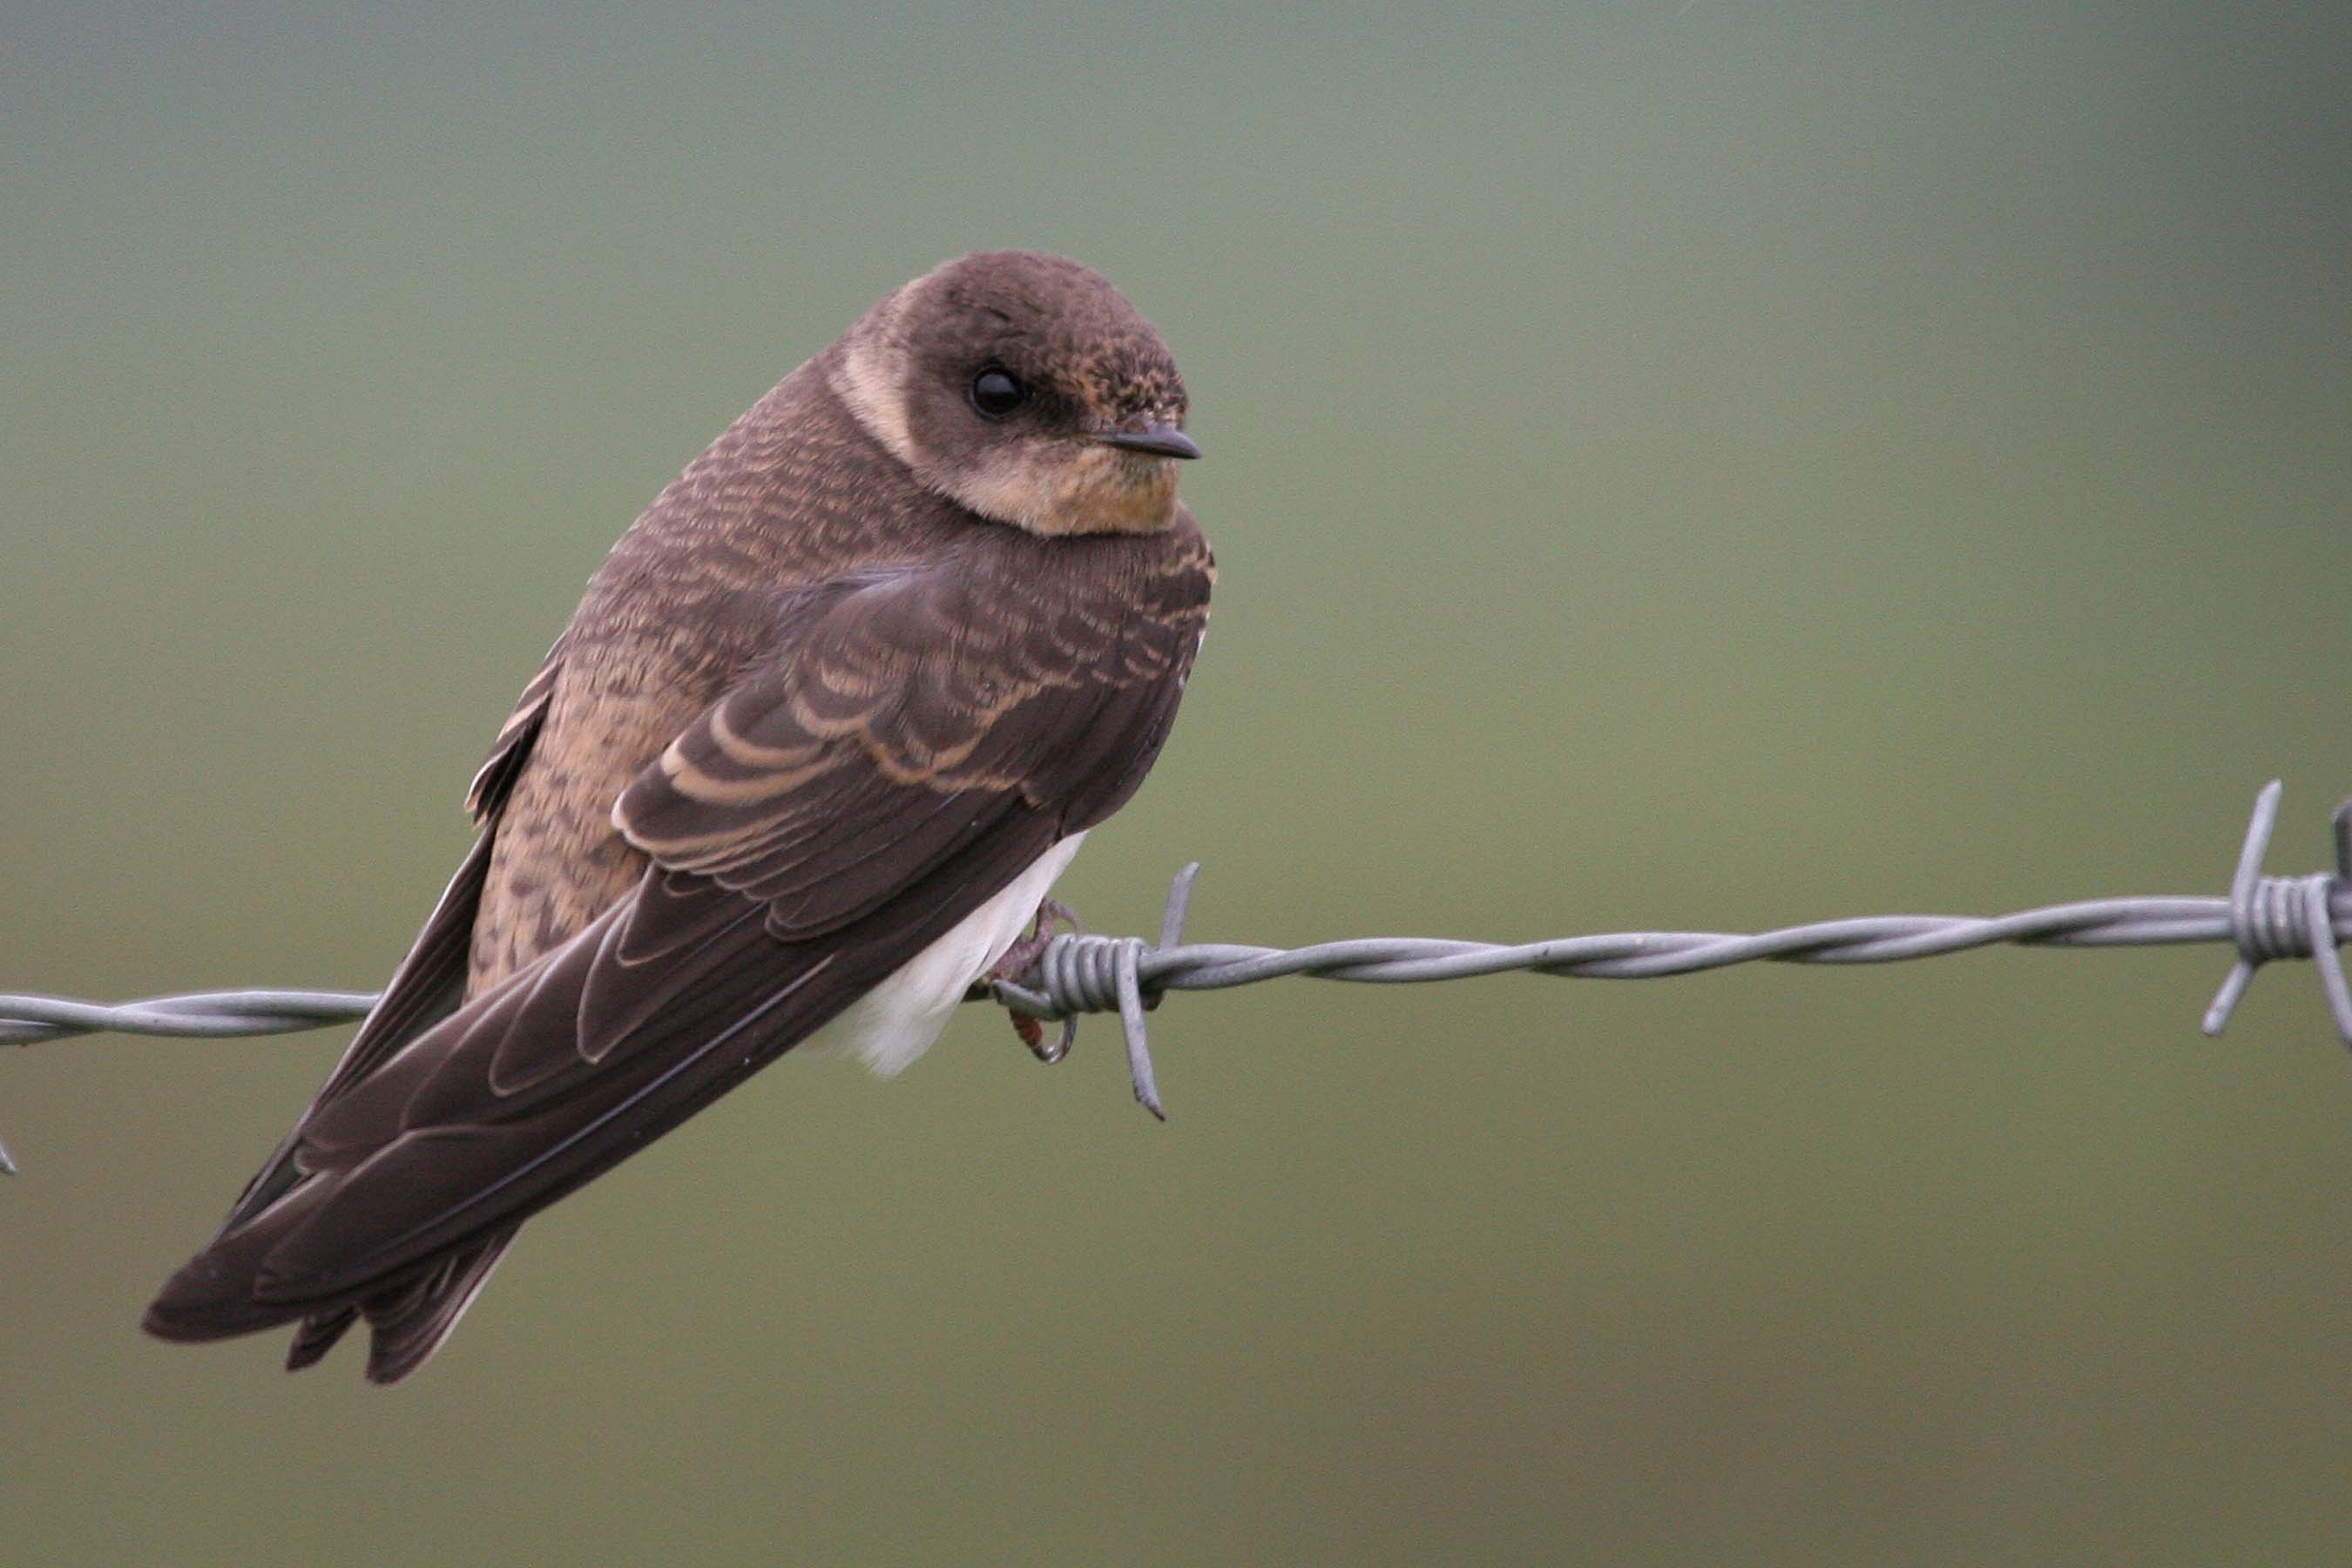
[1160, 440]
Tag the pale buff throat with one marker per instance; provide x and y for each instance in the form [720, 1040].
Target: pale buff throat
[1071, 486]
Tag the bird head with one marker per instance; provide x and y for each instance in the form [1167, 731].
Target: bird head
[1025, 388]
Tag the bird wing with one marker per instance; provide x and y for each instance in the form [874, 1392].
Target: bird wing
[912, 742]
[431, 980]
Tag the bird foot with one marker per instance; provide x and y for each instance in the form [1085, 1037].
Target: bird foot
[1022, 957]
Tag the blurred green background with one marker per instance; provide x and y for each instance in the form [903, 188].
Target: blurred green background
[1674, 464]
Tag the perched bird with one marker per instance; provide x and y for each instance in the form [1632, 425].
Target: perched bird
[835, 713]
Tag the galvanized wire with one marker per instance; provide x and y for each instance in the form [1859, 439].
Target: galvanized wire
[2264, 918]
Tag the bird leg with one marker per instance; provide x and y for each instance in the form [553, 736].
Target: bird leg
[1022, 957]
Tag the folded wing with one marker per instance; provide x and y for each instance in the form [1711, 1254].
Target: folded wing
[912, 742]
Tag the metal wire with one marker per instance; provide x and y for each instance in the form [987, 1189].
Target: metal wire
[2264, 918]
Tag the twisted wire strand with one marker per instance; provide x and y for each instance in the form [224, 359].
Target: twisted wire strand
[204, 1014]
[2264, 918]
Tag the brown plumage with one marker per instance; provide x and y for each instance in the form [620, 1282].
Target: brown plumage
[852, 683]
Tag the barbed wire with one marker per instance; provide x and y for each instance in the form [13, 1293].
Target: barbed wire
[2264, 918]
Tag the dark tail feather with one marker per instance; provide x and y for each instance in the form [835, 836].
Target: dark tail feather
[317, 1335]
[409, 1322]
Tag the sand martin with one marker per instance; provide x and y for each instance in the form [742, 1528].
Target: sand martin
[833, 714]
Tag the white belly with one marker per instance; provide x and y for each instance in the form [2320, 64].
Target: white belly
[897, 1021]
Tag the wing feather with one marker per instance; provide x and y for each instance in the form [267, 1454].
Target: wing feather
[911, 742]
[430, 983]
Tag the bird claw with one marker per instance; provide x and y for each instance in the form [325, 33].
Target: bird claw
[1032, 1034]
[1018, 960]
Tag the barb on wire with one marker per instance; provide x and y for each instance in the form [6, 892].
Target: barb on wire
[2264, 918]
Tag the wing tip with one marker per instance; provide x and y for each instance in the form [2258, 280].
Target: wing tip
[408, 1323]
[208, 1301]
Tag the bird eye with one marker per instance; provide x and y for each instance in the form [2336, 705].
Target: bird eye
[997, 392]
